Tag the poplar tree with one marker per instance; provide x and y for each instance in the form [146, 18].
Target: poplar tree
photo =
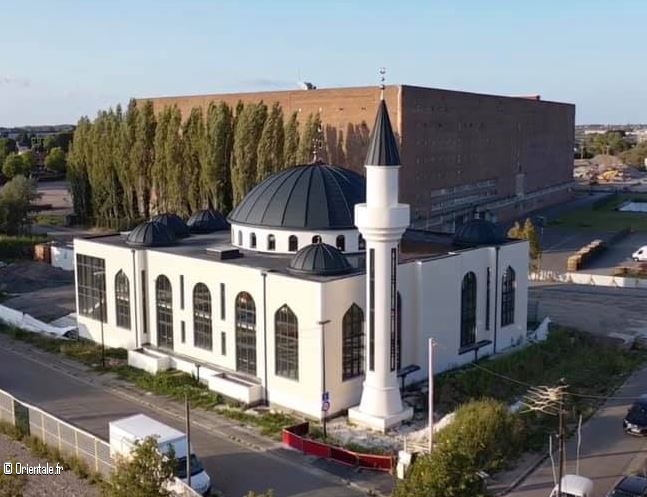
[270, 147]
[142, 156]
[176, 174]
[159, 195]
[77, 170]
[312, 139]
[193, 142]
[215, 173]
[291, 142]
[249, 127]
[127, 129]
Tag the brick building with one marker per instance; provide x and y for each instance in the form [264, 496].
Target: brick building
[502, 156]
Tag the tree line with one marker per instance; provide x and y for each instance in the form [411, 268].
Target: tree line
[125, 166]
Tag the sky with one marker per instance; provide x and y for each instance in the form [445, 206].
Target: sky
[63, 59]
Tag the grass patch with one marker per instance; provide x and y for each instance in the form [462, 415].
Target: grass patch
[271, 424]
[605, 217]
[50, 219]
[18, 247]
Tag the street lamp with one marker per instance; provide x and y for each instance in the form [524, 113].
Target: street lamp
[102, 274]
[324, 396]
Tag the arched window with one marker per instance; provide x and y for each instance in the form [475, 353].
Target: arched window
[271, 242]
[164, 306]
[316, 239]
[252, 240]
[293, 243]
[286, 343]
[398, 338]
[361, 243]
[240, 238]
[352, 343]
[340, 243]
[468, 310]
[508, 287]
[122, 300]
[245, 334]
[202, 335]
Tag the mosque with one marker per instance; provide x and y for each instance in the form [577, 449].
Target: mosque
[314, 295]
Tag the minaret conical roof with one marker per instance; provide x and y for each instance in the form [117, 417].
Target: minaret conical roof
[383, 147]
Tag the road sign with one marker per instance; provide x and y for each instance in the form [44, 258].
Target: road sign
[325, 397]
[325, 406]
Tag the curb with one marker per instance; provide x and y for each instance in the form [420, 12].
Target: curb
[517, 481]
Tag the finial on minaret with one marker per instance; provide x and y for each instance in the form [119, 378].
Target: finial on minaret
[382, 78]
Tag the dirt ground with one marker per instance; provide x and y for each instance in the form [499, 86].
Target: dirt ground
[66, 484]
[29, 276]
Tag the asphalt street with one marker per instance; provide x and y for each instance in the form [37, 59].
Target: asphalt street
[606, 452]
[234, 469]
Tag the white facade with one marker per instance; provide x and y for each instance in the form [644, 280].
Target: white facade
[431, 307]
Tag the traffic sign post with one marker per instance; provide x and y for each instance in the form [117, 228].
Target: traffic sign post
[325, 406]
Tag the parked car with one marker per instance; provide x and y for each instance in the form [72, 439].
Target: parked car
[635, 422]
[640, 254]
[574, 486]
[630, 486]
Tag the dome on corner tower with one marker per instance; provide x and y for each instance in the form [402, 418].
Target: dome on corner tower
[151, 234]
[478, 232]
[207, 221]
[310, 197]
[174, 222]
[319, 259]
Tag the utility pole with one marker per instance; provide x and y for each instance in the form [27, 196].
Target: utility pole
[431, 394]
[101, 294]
[188, 440]
[325, 399]
[550, 400]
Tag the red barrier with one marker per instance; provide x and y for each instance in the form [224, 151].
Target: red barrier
[295, 437]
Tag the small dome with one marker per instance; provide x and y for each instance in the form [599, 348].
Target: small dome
[478, 232]
[150, 234]
[311, 197]
[174, 222]
[207, 221]
[319, 259]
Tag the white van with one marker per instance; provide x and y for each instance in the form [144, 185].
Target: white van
[126, 432]
[640, 254]
[574, 486]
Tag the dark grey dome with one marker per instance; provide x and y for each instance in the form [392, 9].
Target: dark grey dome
[174, 222]
[478, 232]
[319, 259]
[150, 234]
[314, 197]
[207, 221]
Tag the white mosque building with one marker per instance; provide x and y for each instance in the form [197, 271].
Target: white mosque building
[313, 296]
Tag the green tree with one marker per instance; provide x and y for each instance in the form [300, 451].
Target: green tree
[158, 169]
[610, 143]
[7, 146]
[15, 198]
[29, 158]
[143, 474]
[142, 156]
[215, 171]
[176, 193]
[270, 147]
[528, 232]
[193, 142]
[61, 140]
[56, 160]
[77, 170]
[126, 173]
[635, 156]
[312, 139]
[249, 127]
[291, 147]
[14, 165]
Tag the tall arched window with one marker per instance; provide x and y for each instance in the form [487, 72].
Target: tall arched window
[245, 334]
[252, 240]
[202, 334]
[164, 306]
[361, 243]
[293, 243]
[316, 239]
[340, 242]
[508, 287]
[398, 339]
[271, 242]
[122, 300]
[286, 343]
[240, 238]
[468, 310]
[352, 343]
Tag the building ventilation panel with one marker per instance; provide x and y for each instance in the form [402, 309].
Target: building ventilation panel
[224, 253]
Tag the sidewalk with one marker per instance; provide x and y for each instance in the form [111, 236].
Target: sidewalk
[370, 482]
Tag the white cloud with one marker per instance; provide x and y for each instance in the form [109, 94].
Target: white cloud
[6, 80]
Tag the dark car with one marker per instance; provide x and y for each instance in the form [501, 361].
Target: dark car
[635, 422]
[630, 486]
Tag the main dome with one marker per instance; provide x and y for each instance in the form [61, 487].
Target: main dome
[311, 197]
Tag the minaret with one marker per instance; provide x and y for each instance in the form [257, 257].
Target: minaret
[381, 221]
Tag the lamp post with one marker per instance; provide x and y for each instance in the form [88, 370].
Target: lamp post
[324, 397]
[431, 394]
[101, 274]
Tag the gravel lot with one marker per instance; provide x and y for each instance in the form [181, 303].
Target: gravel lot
[66, 484]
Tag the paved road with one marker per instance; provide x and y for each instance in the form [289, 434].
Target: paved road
[607, 452]
[234, 469]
